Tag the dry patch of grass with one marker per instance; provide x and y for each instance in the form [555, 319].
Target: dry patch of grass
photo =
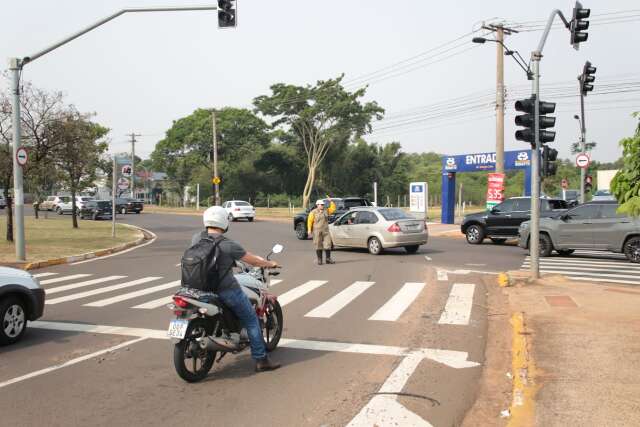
[55, 238]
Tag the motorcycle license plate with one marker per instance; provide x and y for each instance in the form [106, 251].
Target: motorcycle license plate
[178, 328]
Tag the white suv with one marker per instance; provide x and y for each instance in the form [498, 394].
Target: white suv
[21, 300]
[237, 209]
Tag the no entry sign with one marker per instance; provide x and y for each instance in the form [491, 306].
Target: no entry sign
[582, 160]
[22, 156]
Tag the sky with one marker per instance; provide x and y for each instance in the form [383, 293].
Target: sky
[141, 72]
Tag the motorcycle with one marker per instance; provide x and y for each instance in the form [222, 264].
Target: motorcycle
[200, 316]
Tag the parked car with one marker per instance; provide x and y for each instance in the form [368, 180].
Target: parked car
[342, 206]
[501, 222]
[81, 201]
[572, 197]
[603, 196]
[593, 225]
[97, 209]
[64, 206]
[51, 202]
[237, 209]
[378, 229]
[3, 202]
[21, 300]
[127, 205]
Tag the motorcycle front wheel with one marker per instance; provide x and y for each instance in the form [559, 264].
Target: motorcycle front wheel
[272, 325]
[191, 362]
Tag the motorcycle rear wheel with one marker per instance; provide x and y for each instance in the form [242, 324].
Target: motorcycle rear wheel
[187, 352]
[272, 326]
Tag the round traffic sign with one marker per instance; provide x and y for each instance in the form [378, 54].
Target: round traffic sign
[123, 184]
[126, 170]
[216, 180]
[583, 160]
[22, 156]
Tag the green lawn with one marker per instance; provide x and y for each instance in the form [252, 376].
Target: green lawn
[55, 237]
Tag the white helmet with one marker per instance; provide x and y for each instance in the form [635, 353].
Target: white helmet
[216, 216]
[319, 202]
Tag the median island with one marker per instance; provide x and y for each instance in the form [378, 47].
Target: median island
[54, 238]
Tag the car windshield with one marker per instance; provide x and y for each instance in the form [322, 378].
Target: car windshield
[86, 199]
[391, 214]
[65, 199]
[104, 204]
[242, 204]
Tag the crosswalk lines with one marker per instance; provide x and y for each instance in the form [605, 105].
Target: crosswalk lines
[39, 275]
[339, 301]
[69, 288]
[63, 279]
[591, 266]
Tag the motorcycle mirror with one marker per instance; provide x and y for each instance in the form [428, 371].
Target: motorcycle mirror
[277, 248]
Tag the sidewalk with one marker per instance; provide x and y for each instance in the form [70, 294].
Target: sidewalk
[585, 346]
[437, 229]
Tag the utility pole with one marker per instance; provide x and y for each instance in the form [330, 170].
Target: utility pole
[114, 175]
[133, 135]
[216, 183]
[583, 143]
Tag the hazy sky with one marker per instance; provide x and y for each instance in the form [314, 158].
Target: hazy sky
[142, 71]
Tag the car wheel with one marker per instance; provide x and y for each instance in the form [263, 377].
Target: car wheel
[498, 241]
[250, 219]
[565, 252]
[138, 212]
[13, 320]
[95, 216]
[546, 247]
[475, 234]
[301, 231]
[632, 249]
[374, 245]
[412, 249]
[123, 211]
[59, 211]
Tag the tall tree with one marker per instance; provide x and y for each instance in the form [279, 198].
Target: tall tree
[626, 184]
[79, 146]
[320, 115]
[6, 160]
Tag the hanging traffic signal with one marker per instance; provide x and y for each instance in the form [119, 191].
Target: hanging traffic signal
[527, 120]
[226, 13]
[579, 25]
[586, 78]
[588, 183]
[549, 157]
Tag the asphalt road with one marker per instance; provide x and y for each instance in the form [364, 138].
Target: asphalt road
[372, 339]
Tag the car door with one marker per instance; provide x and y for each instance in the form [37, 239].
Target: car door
[611, 228]
[341, 229]
[499, 217]
[362, 228]
[576, 227]
[521, 212]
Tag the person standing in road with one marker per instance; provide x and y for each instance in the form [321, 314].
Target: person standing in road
[318, 226]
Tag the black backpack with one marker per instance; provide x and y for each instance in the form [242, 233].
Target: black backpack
[200, 265]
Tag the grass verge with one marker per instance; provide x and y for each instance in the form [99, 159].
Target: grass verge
[55, 238]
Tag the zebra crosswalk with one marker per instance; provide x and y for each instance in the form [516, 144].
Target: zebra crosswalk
[592, 266]
[100, 292]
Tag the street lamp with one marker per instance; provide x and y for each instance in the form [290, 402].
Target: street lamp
[15, 67]
[508, 52]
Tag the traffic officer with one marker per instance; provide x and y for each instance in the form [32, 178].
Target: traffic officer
[318, 225]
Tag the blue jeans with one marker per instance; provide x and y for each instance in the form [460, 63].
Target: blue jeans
[238, 302]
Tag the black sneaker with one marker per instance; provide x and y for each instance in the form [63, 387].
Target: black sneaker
[266, 364]
[319, 261]
[330, 261]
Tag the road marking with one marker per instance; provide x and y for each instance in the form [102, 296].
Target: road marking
[300, 291]
[44, 275]
[586, 262]
[155, 303]
[398, 303]
[178, 264]
[73, 297]
[64, 279]
[70, 362]
[476, 265]
[457, 311]
[604, 268]
[442, 275]
[274, 282]
[340, 300]
[135, 294]
[452, 358]
[81, 284]
[384, 408]
[428, 258]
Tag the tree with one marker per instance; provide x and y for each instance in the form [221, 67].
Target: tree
[79, 146]
[320, 116]
[626, 184]
[6, 160]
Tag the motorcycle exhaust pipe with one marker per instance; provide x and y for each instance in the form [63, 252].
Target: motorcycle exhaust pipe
[209, 344]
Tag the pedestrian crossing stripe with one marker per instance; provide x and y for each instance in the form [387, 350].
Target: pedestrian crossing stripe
[63, 279]
[91, 282]
[101, 290]
[457, 311]
[131, 295]
[340, 300]
[398, 304]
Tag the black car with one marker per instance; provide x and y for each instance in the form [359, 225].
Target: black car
[128, 205]
[96, 209]
[503, 220]
[342, 206]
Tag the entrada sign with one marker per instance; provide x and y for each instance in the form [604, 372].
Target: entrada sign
[486, 161]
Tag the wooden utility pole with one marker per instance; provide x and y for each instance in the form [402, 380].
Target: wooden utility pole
[215, 181]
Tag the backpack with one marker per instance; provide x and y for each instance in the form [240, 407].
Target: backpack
[200, 265]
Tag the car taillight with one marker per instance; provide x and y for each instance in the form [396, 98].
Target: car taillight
[236, 209]
[395, 228]
[180, 302]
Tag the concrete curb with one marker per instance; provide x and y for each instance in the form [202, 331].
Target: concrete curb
[523, 371]
[146, 235]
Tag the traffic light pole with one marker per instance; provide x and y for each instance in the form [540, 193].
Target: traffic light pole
[500, 100]
[216, 185]
[583, 142]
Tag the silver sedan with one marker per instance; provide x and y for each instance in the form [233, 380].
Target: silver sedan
[379, 228]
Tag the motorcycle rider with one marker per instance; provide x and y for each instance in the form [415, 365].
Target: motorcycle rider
[318, 224]
[216, 223]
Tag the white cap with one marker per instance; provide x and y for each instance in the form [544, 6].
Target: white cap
[319, 202]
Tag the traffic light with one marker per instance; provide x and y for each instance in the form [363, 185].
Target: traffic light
[586, 78]
[527, 120]
[226, 13]
[579, 25]
[549, 157]
[588, 183]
